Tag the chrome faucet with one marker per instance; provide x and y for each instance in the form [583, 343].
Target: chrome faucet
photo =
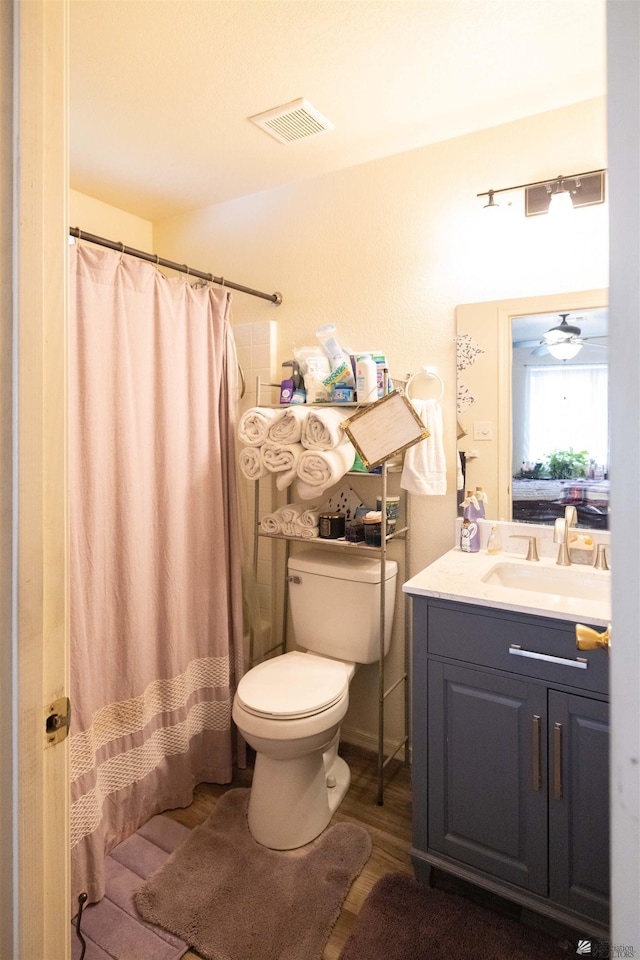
[561, 535]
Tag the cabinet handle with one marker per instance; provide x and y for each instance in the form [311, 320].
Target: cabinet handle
[580, 662]
[535, 738]
[557, 761]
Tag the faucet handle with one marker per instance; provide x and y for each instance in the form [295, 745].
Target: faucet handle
[532, 551]
[601, 562]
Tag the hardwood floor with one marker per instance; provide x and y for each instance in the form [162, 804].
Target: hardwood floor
[389, 827]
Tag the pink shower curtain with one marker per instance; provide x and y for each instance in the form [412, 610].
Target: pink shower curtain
[156, 608]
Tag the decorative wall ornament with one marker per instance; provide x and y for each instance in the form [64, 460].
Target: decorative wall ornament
[467, 350]
[464, 398]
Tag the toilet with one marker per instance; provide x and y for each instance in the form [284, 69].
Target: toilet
[290, 708]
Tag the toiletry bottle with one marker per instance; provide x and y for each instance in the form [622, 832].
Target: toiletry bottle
[481, 499]
[469, 536]
[286, 391]
[366, 379]
[470, 531]
[494, 543]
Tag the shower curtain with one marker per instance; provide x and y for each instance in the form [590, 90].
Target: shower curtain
[156, 608]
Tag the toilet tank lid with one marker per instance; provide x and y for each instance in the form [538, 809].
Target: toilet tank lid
[342, 566]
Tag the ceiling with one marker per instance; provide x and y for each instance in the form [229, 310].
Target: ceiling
[161, 90]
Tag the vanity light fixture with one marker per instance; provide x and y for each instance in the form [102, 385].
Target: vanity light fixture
[558, 193]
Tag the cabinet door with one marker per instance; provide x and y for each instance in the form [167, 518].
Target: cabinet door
[487, 773]
[579, 804]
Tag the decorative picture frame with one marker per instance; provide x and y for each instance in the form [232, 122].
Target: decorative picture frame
[384, 429]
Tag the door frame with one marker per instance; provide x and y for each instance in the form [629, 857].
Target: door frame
[34, 837]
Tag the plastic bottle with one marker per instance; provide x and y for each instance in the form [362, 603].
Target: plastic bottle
[366, 379]
[494, 543]
[286, 391]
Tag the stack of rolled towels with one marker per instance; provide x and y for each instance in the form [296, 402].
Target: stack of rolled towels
[293, 520]
[296, 443]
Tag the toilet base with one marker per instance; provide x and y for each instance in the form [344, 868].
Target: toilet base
[290, 803]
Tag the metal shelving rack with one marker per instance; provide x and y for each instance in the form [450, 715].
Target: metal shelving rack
[401, 533]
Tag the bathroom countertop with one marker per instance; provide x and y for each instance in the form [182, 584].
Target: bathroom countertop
[458, 576]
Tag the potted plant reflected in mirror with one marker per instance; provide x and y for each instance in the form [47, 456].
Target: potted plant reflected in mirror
[567, 464]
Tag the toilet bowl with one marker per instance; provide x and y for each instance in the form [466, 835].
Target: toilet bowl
[290, 708]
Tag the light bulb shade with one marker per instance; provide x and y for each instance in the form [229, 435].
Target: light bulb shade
[565, 351]
[561, 203]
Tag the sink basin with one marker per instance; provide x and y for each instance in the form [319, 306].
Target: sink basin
[562, 581]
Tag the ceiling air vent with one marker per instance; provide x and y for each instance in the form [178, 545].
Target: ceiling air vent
[293, 121]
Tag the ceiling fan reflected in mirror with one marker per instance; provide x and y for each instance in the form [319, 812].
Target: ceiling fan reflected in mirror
[563, 341]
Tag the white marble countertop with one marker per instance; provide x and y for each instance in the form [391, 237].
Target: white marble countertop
[458, 576]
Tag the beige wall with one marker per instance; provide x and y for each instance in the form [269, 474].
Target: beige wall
[103, 220]
[386, 251]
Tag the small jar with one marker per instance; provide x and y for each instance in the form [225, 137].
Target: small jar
[393, 507]
[372, 523]
[354, 531]
[331, 525]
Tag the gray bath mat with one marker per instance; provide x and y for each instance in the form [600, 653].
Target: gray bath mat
[112, 929]
[231, 899]
[403, 920]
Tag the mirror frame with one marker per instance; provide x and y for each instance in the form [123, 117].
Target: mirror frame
[488, 324]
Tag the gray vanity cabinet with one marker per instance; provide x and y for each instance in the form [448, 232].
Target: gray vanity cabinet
[579, 804]
[510, 758]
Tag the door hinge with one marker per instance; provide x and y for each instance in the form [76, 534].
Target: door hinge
[57, 717]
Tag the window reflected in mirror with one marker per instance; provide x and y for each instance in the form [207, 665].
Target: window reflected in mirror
[560, 420]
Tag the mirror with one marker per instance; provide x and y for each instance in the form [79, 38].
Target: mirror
[533, 428]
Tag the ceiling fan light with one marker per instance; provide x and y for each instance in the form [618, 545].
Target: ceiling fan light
[566, 350]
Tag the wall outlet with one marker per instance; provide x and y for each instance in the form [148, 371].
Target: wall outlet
[482, 430]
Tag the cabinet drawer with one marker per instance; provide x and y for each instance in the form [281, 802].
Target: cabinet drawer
[536, 647]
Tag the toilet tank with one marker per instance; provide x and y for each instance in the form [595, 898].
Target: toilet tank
[335, 604]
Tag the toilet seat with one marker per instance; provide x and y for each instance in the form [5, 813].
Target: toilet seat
[293, 686]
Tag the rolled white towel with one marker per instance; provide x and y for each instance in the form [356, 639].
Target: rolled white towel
[310, 517]
[308, 533]
[321, 430]
[281, 459]
[271, 523]
[251, 463]
[320, 469]
[253, 428]
[291, 512]
[290, 529]
[287, 428]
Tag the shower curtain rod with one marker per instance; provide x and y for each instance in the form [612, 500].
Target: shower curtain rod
[275, 298]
